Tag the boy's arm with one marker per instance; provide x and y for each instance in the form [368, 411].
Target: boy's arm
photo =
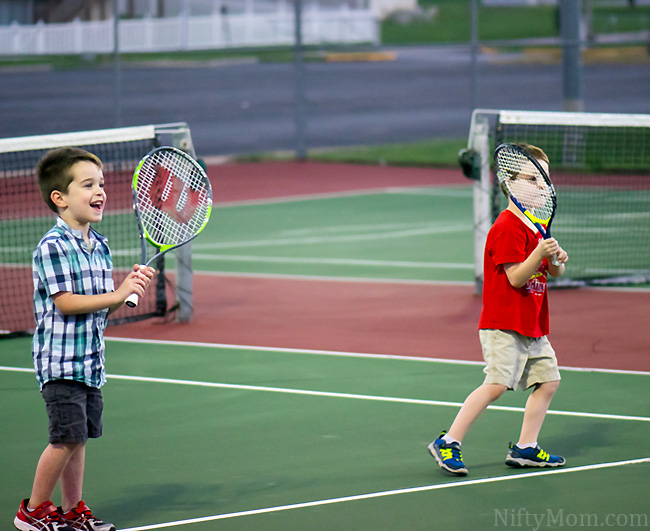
[520, 273]
[69, 303]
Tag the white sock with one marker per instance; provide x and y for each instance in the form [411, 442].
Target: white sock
[449, 439]
[527, 445]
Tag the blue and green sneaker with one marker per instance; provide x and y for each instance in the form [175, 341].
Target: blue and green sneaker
[532, 457]
[448, 456]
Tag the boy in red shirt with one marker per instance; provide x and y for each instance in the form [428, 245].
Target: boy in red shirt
[513, 327]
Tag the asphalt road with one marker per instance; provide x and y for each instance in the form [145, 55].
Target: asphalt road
[247, 108]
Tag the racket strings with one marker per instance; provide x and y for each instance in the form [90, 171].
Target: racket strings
[173, 198]
[526, 184]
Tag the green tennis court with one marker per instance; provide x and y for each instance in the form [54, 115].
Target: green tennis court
[212, 436]
[399, 233]
[216, 437]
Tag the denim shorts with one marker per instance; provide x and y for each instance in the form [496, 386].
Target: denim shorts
[74, 411]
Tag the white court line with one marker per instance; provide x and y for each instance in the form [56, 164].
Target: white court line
[420, 359]
[412, 490]
[464, 193]
[300, 197]
[331, 261]
[323, 278]
[414, 190]
[294, 350]
[349, 354]
[352, 229]
[309, 240]
[351, 396]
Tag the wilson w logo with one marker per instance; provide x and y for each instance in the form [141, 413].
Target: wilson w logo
[172, 196]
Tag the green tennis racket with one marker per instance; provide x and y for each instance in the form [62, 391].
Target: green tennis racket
[172, 201]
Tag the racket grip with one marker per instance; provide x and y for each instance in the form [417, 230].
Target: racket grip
[132, 300]
[555, 261]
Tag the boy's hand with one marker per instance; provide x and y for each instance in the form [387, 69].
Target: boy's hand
[562, 255]
[146, 273]
[548, 248]
[555, 255]
[136, 281]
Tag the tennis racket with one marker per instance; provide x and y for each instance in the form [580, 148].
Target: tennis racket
[528, 185]
[172, 201]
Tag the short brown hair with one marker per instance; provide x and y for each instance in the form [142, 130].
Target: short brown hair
[536, 152]
[54, 173]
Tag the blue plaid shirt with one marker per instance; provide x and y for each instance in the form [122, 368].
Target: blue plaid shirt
[70, 347]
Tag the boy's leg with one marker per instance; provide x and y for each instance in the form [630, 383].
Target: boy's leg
[74, 412]
[536, 407]
[53, 462]
[505, 360]
[527, 453]
[72, 479]
[446, 448]
[543, 376]
[474, 405]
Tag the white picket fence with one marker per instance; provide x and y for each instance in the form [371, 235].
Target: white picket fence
[247, 29]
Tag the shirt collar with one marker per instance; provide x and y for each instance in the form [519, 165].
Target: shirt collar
[92, 233]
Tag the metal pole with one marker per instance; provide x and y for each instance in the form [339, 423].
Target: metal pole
[184, 269]
[299, 75]
[571, 55]
[479, 141]
[117, 66]
[474, 54]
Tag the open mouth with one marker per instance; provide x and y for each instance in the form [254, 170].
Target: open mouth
[98, 206]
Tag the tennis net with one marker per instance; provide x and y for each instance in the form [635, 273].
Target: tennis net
[24, 217]
[600, 167]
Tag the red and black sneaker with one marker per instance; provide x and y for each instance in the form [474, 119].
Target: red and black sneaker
[45, 517]
[80, 518]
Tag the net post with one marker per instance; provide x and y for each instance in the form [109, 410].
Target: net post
[479, 141]
[182, 139]
[184, 287]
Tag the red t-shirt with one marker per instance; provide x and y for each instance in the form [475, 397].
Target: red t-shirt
[525, 309]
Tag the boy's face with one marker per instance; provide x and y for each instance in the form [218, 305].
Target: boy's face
[85, 199]
[529, 186]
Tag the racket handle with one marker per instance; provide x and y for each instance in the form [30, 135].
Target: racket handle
[132, 300]
[555, 261]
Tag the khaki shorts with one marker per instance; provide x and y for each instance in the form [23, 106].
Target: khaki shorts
[517, 361]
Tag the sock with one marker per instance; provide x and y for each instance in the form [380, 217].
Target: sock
[449, 439]
[527, 445]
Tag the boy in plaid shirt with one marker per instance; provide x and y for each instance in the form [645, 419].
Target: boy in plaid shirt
[73, 297]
